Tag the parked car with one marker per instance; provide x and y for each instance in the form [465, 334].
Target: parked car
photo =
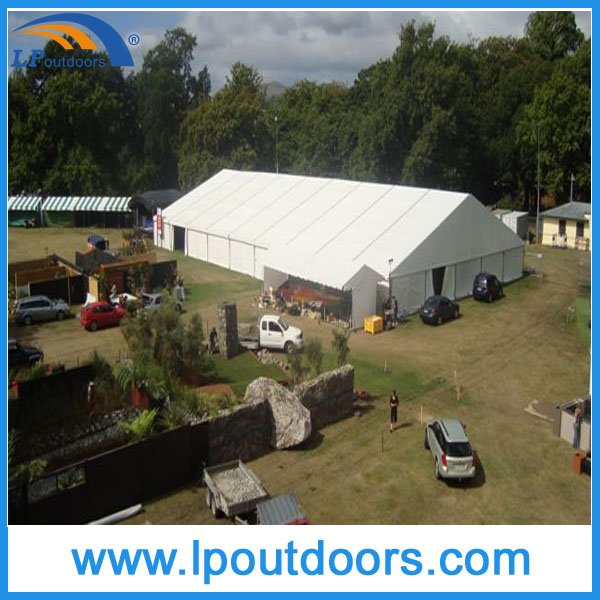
[487, 286]
[40, 308]
[437, 309]
[97, 242]
[452, 454]
[152, 302]
[98, 315]
[20, 356]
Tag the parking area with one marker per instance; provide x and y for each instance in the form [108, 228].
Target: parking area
[485, 368]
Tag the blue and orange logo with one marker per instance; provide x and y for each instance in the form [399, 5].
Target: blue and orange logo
[52, 27]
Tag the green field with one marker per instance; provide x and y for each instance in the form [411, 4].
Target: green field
[484, 368]
[583, 314]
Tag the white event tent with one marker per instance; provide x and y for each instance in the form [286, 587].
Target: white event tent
[346, 235]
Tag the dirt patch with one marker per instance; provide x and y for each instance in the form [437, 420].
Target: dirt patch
[217, 388]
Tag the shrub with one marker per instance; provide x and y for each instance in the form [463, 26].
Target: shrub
[297, 367]
[339, 343]
[313, 351]
[142, 426]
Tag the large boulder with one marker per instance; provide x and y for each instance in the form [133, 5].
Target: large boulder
[290, 418]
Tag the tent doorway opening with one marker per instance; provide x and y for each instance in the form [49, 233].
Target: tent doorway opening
[437, 276]
[178, 238]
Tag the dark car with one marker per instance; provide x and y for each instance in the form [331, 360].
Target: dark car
[437, 309]
[98, 315]
[487, 286]
[20, 356]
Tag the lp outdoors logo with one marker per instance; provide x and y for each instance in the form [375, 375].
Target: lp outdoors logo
[49, 27]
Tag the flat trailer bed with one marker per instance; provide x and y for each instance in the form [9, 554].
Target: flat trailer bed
[232, 489]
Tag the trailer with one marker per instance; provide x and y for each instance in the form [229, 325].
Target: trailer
[232, 489]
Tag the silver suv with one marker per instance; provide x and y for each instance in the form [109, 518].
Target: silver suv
[452, 454]
[40, 308]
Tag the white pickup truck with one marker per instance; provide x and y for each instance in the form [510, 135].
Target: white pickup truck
[270, 332]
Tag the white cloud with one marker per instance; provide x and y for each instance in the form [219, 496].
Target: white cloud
[333, 45]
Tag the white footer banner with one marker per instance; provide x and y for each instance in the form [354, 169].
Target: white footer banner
[358, 558]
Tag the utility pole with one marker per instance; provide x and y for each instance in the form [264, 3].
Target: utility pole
[276, 146]
[571, 194]
[537, 217]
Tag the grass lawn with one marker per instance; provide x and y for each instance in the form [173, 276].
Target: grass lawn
[583, 313]
[239, 371]
[485, 368]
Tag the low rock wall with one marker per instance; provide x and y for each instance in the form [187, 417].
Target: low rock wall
[329, 397]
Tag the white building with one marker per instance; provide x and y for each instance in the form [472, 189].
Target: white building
[346, 235]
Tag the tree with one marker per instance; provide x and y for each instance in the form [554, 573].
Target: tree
[553, 34]
[163, 338]
[313, 351]
[313, 128]
[231, 130]
[414, 113]
[67, 128]
[560, 113]
[340, 346]
[297, 366]
[165, 89]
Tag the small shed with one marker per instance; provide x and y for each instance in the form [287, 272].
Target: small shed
[517, 221]
[565, 418]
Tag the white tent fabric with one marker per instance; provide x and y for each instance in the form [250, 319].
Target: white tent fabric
[343, 234]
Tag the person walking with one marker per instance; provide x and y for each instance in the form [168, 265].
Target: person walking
[577, 425]
[213, 341]
[393, 410]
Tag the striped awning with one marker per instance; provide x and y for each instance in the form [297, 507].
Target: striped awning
[24, 203]
[71, 203]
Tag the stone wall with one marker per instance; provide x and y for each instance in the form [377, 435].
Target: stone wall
[227, 329]
[329, 397]
[256, 427]
[244, 432]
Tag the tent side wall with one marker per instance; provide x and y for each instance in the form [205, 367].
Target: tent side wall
[364, 295]
[410, 290]
[513, 265]
[197, 244]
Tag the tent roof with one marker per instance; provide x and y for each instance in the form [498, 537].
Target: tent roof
[322, 230]
[156, 199]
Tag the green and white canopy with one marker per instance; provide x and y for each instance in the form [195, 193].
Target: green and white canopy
[71, 203]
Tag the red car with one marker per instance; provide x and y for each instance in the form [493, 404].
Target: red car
[101, 314]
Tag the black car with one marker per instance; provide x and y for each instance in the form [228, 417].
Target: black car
[437, 309]
[20, 356]
[487, 287]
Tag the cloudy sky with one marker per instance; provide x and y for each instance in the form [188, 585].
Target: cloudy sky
[287, 46]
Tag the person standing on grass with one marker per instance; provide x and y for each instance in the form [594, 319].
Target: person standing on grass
[577, 425]
[393, 410]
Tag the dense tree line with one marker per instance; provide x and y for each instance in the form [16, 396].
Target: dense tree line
[473, 117]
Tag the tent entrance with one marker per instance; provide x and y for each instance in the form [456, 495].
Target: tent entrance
[178, 238]
[437, 276]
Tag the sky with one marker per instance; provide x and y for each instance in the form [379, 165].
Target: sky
[286, 46]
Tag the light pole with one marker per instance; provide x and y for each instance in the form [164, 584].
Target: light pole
[276, 146]
[571, 194]
[537, 216]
